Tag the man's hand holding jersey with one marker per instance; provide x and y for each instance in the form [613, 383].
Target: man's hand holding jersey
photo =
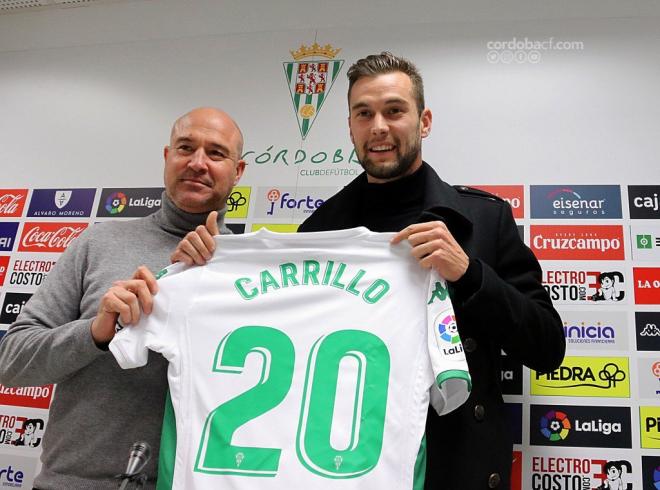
[197, 246]
[124, 301]
[434, 246]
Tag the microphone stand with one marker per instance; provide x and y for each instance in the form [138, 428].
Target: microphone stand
[138, 481]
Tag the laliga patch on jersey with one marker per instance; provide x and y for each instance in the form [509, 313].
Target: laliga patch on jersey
[446, 334]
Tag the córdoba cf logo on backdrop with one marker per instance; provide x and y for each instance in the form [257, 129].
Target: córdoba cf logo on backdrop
[310, 77]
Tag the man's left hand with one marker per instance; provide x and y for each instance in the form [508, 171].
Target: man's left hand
[434, 246]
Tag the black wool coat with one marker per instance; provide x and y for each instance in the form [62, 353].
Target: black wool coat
[507, 310]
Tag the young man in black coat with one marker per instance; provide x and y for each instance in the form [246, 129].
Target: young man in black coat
[471, 239]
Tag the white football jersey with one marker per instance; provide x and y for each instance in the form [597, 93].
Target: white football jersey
[300, 361]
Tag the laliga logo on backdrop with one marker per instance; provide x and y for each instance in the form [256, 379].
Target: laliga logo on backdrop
[60, 238]
[555, 425]
[116, 202]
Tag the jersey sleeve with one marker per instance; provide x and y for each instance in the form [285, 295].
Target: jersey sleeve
[131, 345]
[450, 370]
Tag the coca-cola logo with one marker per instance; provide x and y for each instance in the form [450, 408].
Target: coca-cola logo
[49, 237]
[12, 202]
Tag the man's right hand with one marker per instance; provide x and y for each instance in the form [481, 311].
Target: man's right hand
[124, 300]
[197, 247]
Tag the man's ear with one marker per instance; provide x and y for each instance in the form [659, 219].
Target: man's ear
[426, 120]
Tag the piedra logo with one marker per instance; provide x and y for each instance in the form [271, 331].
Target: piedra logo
[310, 78]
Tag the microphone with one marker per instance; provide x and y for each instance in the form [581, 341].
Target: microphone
[138, 458]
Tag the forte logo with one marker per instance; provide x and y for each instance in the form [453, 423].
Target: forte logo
[49, 237]
[584, 376]
[594, 242]
[284, 200]
[580, 426]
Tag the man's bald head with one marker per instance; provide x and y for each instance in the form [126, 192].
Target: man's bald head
[208, 113]
[203, 160]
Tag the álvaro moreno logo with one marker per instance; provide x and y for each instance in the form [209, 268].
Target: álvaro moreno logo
[59, 203]
[116, 202]
[12, 202]
[571, 242]
[647, 285]
[49, 237]
[585, 376]
[579, 473]
[575, 201]
[310, 78]
[580, 426]
[513, 194]
[555, 425]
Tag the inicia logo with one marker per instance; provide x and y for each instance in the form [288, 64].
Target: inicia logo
[116, 202]
[448, 330]
[555, 425]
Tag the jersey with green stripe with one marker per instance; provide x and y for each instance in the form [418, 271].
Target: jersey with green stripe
[300, 361]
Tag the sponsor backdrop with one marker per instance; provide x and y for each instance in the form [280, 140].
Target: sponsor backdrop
[595, 419]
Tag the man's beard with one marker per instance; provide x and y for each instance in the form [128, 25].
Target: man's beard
[400, 167]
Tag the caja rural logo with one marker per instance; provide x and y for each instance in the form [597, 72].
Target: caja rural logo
[580, 473]
[310, 78]
[585, 286]
[585, 376]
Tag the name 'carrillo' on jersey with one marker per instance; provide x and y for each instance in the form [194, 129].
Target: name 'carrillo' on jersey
[313, 273]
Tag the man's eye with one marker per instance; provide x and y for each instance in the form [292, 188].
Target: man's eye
[184, 148]
[394, 110]
[217, 154]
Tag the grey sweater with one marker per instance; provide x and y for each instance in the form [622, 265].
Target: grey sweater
[98, 409]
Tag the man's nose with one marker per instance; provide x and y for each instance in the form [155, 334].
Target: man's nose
[198, 160]
[379, 125]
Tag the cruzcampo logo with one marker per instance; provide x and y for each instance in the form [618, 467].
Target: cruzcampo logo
[310, 77]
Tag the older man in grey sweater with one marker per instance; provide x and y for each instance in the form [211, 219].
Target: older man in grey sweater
[62, 333]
